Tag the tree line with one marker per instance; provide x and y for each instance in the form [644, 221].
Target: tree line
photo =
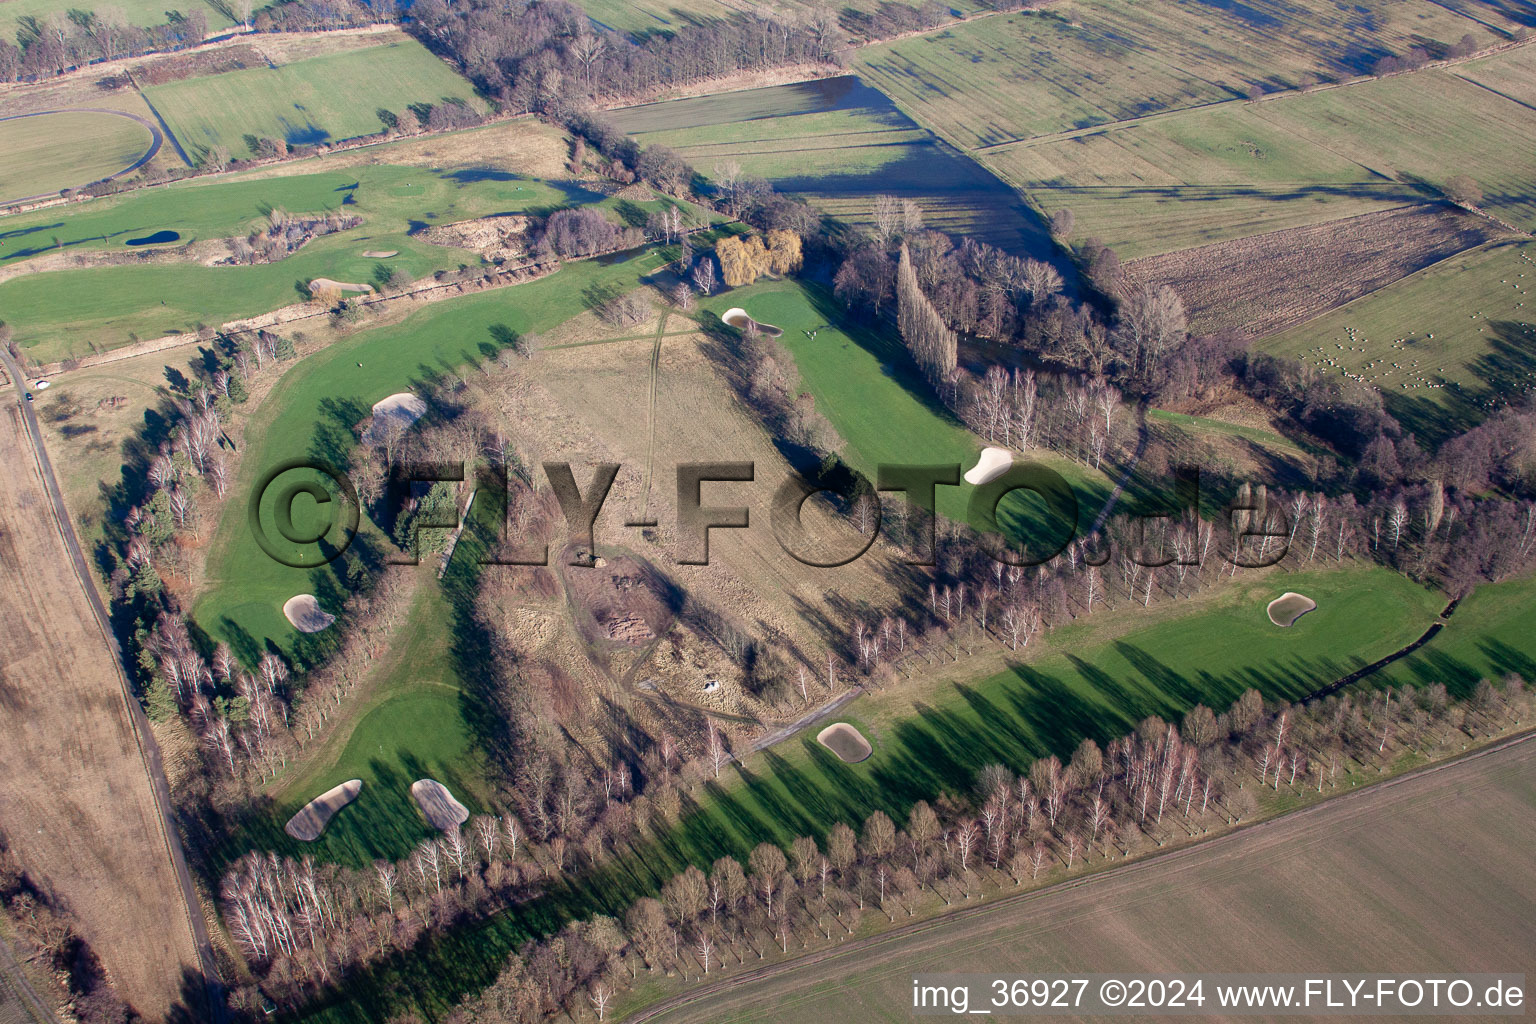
[304, 927]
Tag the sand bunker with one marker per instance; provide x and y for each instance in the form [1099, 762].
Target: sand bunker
[994, 462]
[320, 284]
[1288, 607]
[379, 254]
[738, 319]
[306, 615]
[437, 805]
[315, 815]
[402, 408]
[845, 741]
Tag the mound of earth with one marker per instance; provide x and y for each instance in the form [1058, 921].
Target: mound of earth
[502, 237]
[622, 601]
[315, 815]
[306, 615]
[437, 805]
[845, 741]
[320, 284]
[1288, 607]
[994, 462]
[402, 408]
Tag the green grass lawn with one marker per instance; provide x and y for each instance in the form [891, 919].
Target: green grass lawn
[1461, 333]
[322, 99]
[65, 150]
[310, 414]
[1089, 679]
[866, 384]
[1488, 636]
[75, 312]
[413, 726]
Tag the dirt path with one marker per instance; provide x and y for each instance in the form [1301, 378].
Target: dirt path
[156, 140]
[82, 791]
[1159, 877]
[832, 707]
[18, 999]
[1125, 476]
[650, 444]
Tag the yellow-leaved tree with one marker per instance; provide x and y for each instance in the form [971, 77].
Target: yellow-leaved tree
[742, 260]
[784, 255]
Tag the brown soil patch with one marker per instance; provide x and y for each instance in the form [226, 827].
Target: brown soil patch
[590, 404]
[194, 63]
[315, 815]
[496, 238]
[437, 805]
[319, 284]
[1288, 607]
[1265, 283]
[625, 600]
[75, 792]
[845, 741]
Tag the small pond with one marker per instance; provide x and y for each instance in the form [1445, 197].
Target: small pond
[158, 238]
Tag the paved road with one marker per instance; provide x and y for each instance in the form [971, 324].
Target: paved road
[829, 708]
[148, 748]
[157, 139]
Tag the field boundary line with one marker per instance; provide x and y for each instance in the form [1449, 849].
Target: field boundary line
[1274, 97]
[1200, 846]
[144, 738]
[1479, 249]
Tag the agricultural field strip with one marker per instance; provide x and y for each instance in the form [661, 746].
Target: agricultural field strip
[951, 64]
[1101, 919]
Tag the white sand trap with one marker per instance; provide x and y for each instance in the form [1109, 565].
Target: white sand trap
[403, 408]
[437, 805]
[306, 615]
[315, 815]
[319, 284]
[738, 318]
[1288, 607]
[994, 462]
[845, 741]
[380, 254]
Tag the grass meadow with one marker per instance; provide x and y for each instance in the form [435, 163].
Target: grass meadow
[16, 15]
[838, 144]
[1073, 65]
[639, 18]
[77, 311]
[318, 100]
[65, 150]
[1446, 345]
[1237, 169]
